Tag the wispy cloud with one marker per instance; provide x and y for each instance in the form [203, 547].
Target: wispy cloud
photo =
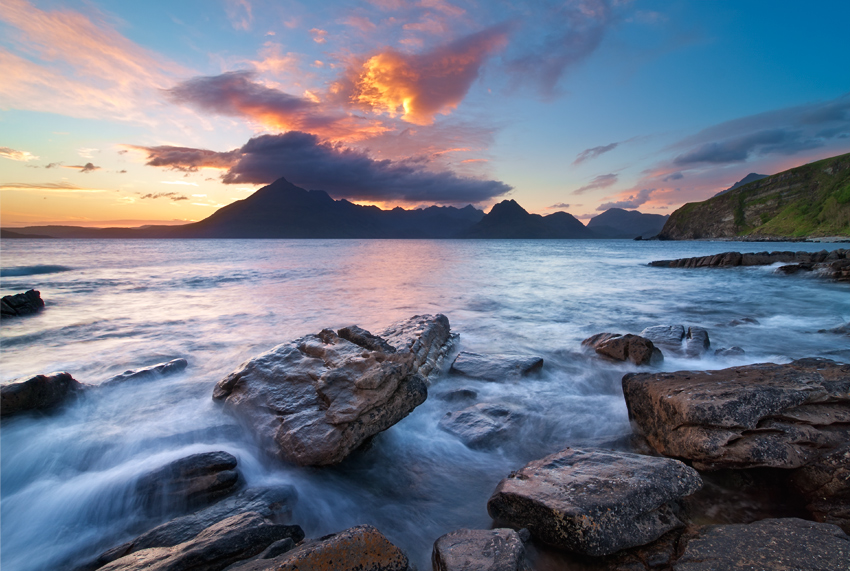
[23, 156]
[174, 196]
[601, 181]
[631, 201]
[88, 167]
[47, 187]
[594, 152]
[559, 205]
[319, 36]
[182, 182]
[186, 159]
[240, 14]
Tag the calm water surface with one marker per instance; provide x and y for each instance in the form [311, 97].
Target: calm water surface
[116, 305]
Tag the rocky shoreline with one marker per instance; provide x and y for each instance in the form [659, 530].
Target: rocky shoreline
[321, 398]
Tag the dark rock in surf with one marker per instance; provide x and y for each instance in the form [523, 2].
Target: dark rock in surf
[229, 541]
[729, 352]
[483, 426]
[359, 548]
[273, 504]
[696, 342]
[315, 400]
[38, 393]
[840, 330]
[188, 482]
[825, 483]
[692, 343]
[495, 367]
[458, 395]
[743, 321]
[149, 373]
[617, 347]
[479, 550]
[780, 416]
[20, 304]
[594, 502]
[834, 265]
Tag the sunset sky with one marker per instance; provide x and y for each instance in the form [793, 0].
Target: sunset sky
[132, 113]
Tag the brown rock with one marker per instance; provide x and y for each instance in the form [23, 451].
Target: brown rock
[38, 393]
[617, 347]
[826, 485]
[188, 482]
[479, 550]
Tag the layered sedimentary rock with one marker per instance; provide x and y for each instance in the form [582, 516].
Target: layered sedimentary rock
[38, 393]
[825, 483]
[480, 550]
[20, 304]
[594, 502]
[316, 399]
[834, 265]
[780, 416]
[617, 347]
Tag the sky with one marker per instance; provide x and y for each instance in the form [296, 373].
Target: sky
[118, 113]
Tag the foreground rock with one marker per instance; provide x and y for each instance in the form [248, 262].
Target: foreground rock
[479, 550]
[780, 416]
[38, 393]
[21, 304]
[482, 426]
[787, 543]
[826, 485]
[674, 338]
[594, 502]
[638, 350]
[315, 400]
[834, 265]
[148, 373]
[231, 540]
[361, 548]
[495, 367]
[272, 504]
[188, 482]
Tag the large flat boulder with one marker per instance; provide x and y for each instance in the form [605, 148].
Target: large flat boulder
[825, 483]
[775, 544]
[628, 347]
[21, 304]
[360, 548]
[38, 393]
[484, 425]
[780, 416]
[594, 502]
[315, 400]
[495, 367]
[188, 482]
[479, 550]
[231, 540]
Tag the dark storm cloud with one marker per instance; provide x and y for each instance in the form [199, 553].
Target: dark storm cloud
[187, 159]
[601, 181]
[594, 152]
[738, 149]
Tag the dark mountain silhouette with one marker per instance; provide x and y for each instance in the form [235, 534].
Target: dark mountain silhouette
[746, 180]
[508, 219]
[619, 223]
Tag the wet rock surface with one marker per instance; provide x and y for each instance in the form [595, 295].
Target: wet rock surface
[781, 416]
[479, 550]
[628, 347]
[495, 367]
[38, 393]
[840, 330]
[21, 304]
[231, 540]
[729, 352]
[484, 425]
[825, 483]
[315, 400]
[594, 502]
[692, 342]
[188, 482]
[148, 373]
[834, 265]
[360, 548]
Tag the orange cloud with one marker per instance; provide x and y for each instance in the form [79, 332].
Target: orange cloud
[319, 36]
[420, 86]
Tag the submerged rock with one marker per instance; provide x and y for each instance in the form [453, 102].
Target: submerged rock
[594, 502]
[638, 350]
[696, 342]
[826, 485]
[38, 393]
[484, 425]
[780, 416]
[315, 400]
[21, 304]
[787, 543]
[188, 482]
[840, 330]
[234, 539]
[148, 373]
[273, 504]
[495, 367]
[729, 352]
[360, 548]
[692, 343]
[479, 550]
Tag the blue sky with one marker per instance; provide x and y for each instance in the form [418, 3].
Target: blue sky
[132, 113]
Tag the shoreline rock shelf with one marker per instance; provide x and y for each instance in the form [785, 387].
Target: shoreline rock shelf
[834, 265]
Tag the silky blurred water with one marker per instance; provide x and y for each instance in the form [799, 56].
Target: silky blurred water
[117, 305]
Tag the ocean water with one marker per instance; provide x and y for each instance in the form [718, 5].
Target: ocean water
[116, 305]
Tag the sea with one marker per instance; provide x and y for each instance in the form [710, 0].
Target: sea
[66, 478]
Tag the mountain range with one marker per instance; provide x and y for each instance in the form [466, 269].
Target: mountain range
[283, 210]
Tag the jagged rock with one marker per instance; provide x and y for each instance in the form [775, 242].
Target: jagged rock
[482, 426]
[228, 541]
[729, 352]
[833, 265]
[495, 367]
[315, 400]
[479, 550]
[273, 504]
[638, 350]
[147, 373]
[780, 416]
[41, 392]
[594, 502]
[360, 548]
[188, 482]
[20, 304]
[825, 483]
[787, 543]
[667, 337]
[696, 342]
